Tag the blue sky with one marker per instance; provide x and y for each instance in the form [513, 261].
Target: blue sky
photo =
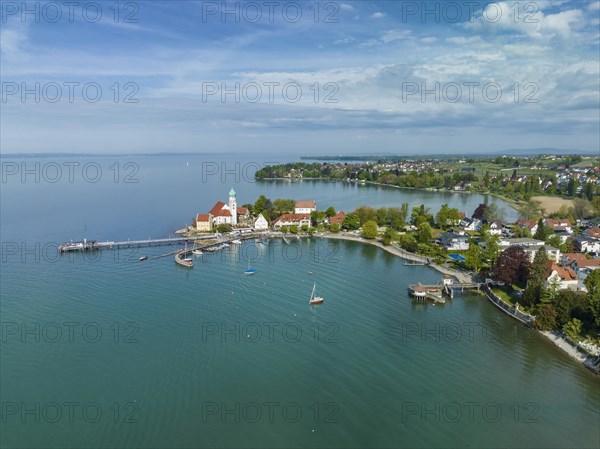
[369, 61]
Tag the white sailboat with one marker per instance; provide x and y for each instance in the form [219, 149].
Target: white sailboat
[314, 300]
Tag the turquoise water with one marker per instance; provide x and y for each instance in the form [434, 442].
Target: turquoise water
[163, 356]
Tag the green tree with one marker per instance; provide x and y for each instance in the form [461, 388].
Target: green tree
[530, 210]
[334, 228]
[224, 228]
[408, 242]
[492, 248]
[369, 229]
[581, 208]
[542, 231]
[330, 212]
[282, 206]
[473, 257]
[389, 236]
[573, 328]
[304, 227]
[284, 229]
[424, 233]
[592, 284]
[351, 222]
[572, 187]
[294, 229]
[546, 317]
[493, 213]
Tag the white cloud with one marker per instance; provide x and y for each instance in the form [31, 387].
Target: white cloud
[533, 22]
[429, 39]
[377, 15]
[346, 7]
[394, 35]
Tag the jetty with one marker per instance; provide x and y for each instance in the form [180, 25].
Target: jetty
[436, 292]
[93, 245]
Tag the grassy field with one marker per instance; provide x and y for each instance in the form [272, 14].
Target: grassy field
[552, 203]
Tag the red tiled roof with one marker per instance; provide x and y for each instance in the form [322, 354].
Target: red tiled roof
[588, 263]
[565, 273]
[202, 217]
[529, 223]
[551, 223]
[219, 211]
[303, 204]
[338, 218]
[594, 231]
[242, 210]
[217, 207]
[292, 217]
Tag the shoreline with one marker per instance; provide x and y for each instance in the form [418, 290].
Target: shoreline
[512, 202]
[399, 252]
[557, 341]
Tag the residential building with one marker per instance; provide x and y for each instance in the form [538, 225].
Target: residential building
[592, 232]
[559, 225]
[470, 224]
[338, 218]
[291, 220]
[528, 224]
[305, 207]
[586, 244]
[454, 242]
[261, 223]
[566, 277]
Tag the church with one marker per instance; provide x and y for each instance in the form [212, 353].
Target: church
[221, 213]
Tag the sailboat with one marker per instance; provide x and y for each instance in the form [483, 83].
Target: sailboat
[314, 300]
[249, 271]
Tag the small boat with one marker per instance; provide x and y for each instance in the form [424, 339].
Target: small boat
[249, 271]
[314, 300]
[225, 245]
[143, 258]
[236, 242]
[188, 260]
[197, 252]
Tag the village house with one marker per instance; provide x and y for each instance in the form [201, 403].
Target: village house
[495, 227]
[586, 244]
[567, 259]
[305, 207]
[566, 277]
[338, 218]
[558, 225]
[453, 241]
[261, 223]
[528, 224]
[470, 224]
[530, 246]
[592, 232]
[291, 220]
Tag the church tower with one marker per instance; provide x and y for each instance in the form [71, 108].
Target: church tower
[233, 206]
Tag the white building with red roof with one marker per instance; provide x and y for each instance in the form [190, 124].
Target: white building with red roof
[305, 207]
[291, 220]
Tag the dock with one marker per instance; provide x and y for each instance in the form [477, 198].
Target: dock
[436, 292]
[93, 245]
